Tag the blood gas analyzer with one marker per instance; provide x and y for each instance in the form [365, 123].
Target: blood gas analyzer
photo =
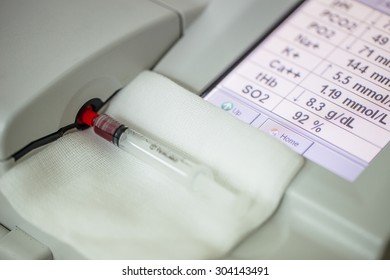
[308, 79]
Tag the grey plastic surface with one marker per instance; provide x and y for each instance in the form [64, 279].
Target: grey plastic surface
[322, 216]
[217, 38]
[18, 245]
[188, 10]
[3, 231]
[55, 55]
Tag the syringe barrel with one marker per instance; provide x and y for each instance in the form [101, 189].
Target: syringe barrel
[108, 128]
[176, 166]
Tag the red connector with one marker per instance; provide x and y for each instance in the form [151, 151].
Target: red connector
[103, 125]
[86, 116]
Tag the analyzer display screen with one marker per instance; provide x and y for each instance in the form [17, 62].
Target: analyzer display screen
[319, 83]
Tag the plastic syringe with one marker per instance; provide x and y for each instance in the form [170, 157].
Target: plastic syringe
[174, 165]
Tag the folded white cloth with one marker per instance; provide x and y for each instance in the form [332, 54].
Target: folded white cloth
[107, 204]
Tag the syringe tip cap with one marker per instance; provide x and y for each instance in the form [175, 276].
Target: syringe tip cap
[86, 116]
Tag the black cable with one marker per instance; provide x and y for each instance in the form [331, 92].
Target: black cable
[96, 103]
[42, 141]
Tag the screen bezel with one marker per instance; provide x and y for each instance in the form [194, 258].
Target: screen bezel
[247, 52]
